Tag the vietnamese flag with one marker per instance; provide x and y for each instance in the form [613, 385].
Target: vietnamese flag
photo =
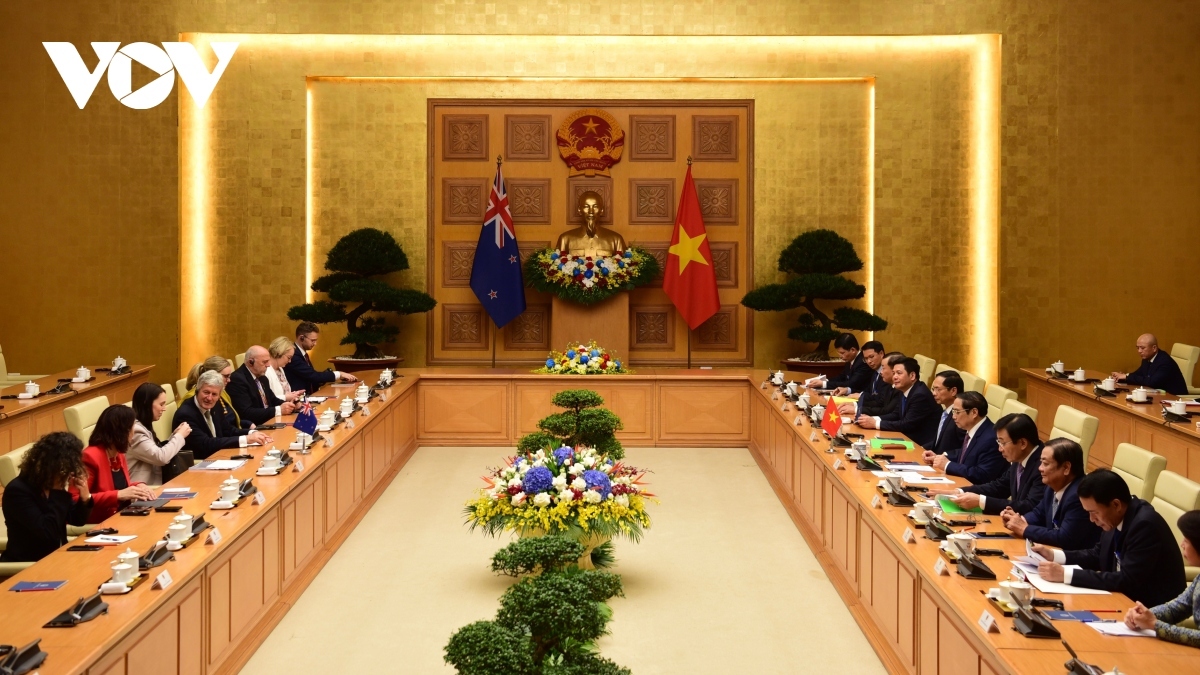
[689, 279]
[831, 422]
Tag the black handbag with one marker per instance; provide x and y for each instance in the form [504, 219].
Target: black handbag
[179, 464]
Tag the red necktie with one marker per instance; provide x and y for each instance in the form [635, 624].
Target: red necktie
[262, 394]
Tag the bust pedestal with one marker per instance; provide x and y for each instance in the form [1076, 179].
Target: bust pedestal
[606, 322]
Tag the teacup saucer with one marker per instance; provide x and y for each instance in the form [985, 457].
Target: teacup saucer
[220, 504]
[267, 471]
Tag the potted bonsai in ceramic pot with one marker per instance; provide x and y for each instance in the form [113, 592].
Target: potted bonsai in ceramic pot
[817, 259]
[359, 298]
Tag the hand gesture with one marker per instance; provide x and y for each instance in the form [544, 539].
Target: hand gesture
[966, 500]
[137, 492]
[287, 408]
[1043, 550]
[1140, 618]
[349, 377]
[1016, 525]
[182, 430]
[293, 395]
[258, 437]
[80, 483]
[865, 422]
[1050, 571]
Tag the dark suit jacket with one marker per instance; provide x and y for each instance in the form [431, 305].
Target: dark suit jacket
[1161, 373]
[950, 440]
[1069, 528]
[883, 402]
[246, 399]
[981, 461]
[200, 441]
[1150, 566]
[37, 525]
[918, 417]
[1004, 491]
[856, 376]
[301, 374]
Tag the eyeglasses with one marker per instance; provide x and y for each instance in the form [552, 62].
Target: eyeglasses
[1002, 443]
[957, 411]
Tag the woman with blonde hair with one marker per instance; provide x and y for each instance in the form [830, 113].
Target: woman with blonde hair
[224, 366]
[281, 350]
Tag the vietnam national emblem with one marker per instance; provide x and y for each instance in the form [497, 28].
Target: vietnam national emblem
[590, 142]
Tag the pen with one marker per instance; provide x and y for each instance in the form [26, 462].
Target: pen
[1093, 611]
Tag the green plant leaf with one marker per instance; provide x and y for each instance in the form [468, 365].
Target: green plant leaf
[487, 648]
[819, 286]
[772, 298]
[532, 554]
[577, 399]
[819, 251]
[321, 311]
[325, 283]
[367, 252]
[850, 318]
[815, 334]
[404, 301]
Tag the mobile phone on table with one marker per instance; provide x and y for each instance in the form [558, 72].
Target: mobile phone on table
[993, 535]
[169, 509]
[83, 547]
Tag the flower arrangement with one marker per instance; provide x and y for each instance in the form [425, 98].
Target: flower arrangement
[577, 492]
[589, 280]
[589, 359]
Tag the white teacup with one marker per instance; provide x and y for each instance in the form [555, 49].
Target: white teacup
[118, 363]
[1059, 367]
[1109, 384]
[860, 449]
[1020, 592]
[1179, 407]
[32, 388]
[777, 378]
[122, 573]
[129, 557]
[805, 401]
[818, 412]
[229, 493]
[1080, 375]
[270, 462]
[185, 520]
[965, 543]
[83, 373]
[927, 510]
[178, 531]
[1139, 395]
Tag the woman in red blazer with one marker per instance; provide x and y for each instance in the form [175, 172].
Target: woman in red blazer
[104, 459]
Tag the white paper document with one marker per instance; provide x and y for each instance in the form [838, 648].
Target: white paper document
[317, 399]
[914, 478]
[225, 464]
[1055, 587]
[111, 539]
[1119, 629]
[923, 468]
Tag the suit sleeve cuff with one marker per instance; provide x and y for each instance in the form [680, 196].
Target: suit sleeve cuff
[877, 422]
[242, 441]
[1060, 557]
[337, 374]
[279, 411]
[1068, 572]
[982, 502]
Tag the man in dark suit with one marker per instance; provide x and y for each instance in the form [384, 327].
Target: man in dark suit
[1059, 519]
[919, 413]
[977, 461]
[949, 439]
[857, 374]
[880, 399]
[1157, 371]
[1137, 555]
[1021, 486]
[211, 432]
[300, 372]
[250, 391]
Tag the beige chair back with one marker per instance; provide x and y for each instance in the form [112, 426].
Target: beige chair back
[170, 390]
[1077, 426]
[10, 464]
[973, 382]
[180, 389]
[1014, 406]
[81, 417]
[928, 368]
[1140, 469]
[1185, 355]
[163, 428]
[996, 397]
[239, 360]
[1175, 495]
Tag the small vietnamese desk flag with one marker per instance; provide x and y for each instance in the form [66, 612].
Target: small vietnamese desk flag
[496, 274]
[831, 422]
[689, 280]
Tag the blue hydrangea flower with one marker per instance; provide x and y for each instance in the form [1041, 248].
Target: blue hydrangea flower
[583, 358]
[593, 478]
[588, 274]
[539, 479]
[618, 363]
[570, 353]
[604, 271]
[621, 264]
[554, 256]
[549, 363]
[595, 352]
[628, 254]
[561, 454]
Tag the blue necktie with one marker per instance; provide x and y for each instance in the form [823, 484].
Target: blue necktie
[941, 424]
[903, 403]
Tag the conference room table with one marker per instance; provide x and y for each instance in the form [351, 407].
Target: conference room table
[25, 420]
[1121, 420]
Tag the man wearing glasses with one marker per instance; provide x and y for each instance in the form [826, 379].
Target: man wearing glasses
[1020, 488]
[978, 460]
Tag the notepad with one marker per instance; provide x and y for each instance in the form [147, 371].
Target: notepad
[1084, 616]
[111, 539]
[179, 495]
[26, 586]
[1119, 629]
[218, 465]
[950, 507]
[877, 443]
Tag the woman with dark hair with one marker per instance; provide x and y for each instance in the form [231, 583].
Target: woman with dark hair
[1162, 619]
[104, 458]
[147, 455]
[37, 506]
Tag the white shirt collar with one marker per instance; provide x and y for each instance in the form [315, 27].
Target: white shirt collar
[971, 433]
[1025, 462]
[1059, 493]
[1152, 361]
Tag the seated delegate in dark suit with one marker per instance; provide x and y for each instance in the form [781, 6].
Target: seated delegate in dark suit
[1021, 487]
[1059, 519]
[919, 413]
[949, 440]
[211, 431]
[250, 391]
[1137, 554]
[857, 375]
[37, 507]
[880, 398]
[979, 460]
[1164, 619]
[300, 372]
[1157, 371]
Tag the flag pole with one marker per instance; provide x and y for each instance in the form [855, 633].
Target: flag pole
[689, 334]
[499, 161]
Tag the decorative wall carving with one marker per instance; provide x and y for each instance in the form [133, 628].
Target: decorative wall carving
[724, 255]
[529, 199]
[527, 137]
[718, 200]
[652, 328]
[466, 327]
[464, 137]
[464, 200]
[653, 138]
[529, 331]
[714, 138]
[459, 256]
[651, 201]
[719, 333]
[577, 185]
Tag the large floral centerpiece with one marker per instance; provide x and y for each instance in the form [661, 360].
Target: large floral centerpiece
[589, 359]
[586, 279]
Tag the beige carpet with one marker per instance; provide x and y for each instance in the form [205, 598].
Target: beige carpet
[722, 583]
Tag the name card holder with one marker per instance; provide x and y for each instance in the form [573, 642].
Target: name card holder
[797, 420]
[298, 466]
[940, 568]
[329, 440]
[813, 436]
[837, 465]
[775, 396]
[876, 502]
[163, 581]
[764, 385]
[214, 537]
[784, 407]
[909, 537]
[259, 498]
[987, 622]
[366, 412]
[349, 424]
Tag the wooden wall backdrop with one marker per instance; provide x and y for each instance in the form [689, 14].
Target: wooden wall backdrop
[641, 197]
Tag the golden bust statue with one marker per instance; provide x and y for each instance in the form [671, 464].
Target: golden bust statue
[591, 239]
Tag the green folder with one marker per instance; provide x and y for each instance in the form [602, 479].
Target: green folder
[877, 443]
[950, 507]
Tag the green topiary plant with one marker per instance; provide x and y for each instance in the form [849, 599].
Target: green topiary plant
[353, 261]
[584, 423]
[818, 258]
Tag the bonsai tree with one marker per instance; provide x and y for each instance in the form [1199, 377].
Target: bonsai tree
[352, 262]
[818, 258]
[584, 423]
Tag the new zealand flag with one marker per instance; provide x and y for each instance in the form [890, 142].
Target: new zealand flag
[496, 275]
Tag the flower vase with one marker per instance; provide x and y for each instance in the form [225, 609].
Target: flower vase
[590, 544]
